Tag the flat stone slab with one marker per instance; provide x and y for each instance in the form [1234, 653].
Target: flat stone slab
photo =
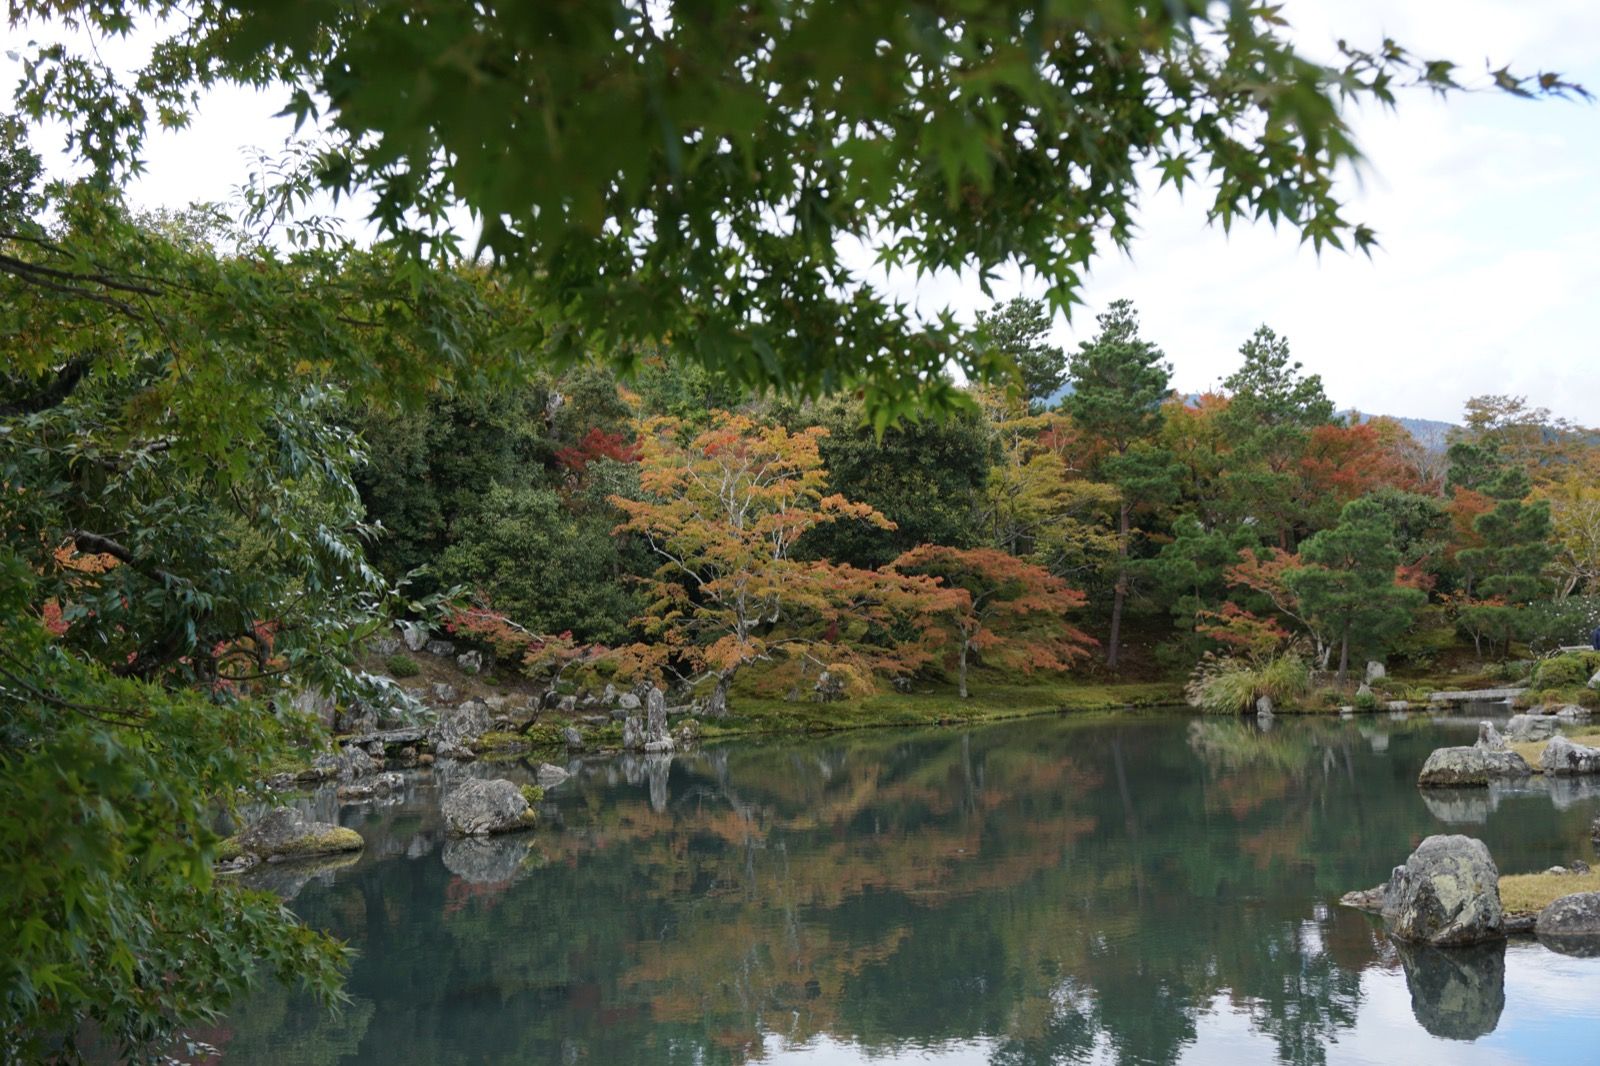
[383, 736]
[1477, 695]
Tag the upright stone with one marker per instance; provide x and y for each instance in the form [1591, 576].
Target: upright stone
[1489, 738]
[1376, 672]
[1446, 894]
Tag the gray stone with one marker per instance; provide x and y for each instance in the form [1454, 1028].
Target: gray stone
[1376, 672]
[628, 702]
[1572, 713]
[572, 737]
[444, 692]
[380, 785]
[687, 733]
[568, 705]
[354, 763]
[1489, 738]
[1594, 682]
[633, 733]
[479, 807]
[285, 833]
[1365, 899]
[1465, 766]
[1531, 727]
[1264, 707]
[464, 723]
[1574, 915]
[442, 648]
[1563, 758]
[315, 705]
[1446, 894]
[549, 775]
[383, 647]
[828, 689]
[655, 715]
[1364, 692]
[414, 634]
[446, 749]
[470, 662]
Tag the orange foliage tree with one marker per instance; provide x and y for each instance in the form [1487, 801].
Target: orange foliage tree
[1010, 612]
[722, 509]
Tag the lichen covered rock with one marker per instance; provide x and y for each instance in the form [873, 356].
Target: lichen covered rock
[481, 807]
[1446, 894]
[1563, 758]
[1470, 766]
[285, 833]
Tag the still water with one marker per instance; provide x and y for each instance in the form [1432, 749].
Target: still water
[1148, 889]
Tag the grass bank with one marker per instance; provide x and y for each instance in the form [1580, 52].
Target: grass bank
[1532, 893]
[1532, 750]
[755, 715]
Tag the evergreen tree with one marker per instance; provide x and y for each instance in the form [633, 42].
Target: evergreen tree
[1120, 381]
[1019, 330]
[1347, 582]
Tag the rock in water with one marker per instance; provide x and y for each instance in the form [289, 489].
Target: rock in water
[549, 775]
[1447, 894]
[633, 735]
[1572, 713]
[1489, 738]
[1454, 767]
[285, 833]
[1531, 727]
[1563, 758]
[1571, 924]
[1264, 707]
[480, 807]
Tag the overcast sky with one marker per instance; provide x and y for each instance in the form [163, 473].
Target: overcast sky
[1487, 209]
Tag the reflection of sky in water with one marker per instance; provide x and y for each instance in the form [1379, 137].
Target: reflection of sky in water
[1551, 1018]
[1149, 889]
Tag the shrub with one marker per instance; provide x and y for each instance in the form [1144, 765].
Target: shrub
[1364, 700]
[533, 794]
[402, 666]
[1565, 671]
[1232, 686]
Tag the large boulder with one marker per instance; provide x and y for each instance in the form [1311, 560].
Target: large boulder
[549, 775]
[1531, 727]
[1574, 915]
[1463, 766]
[463, 724]
[1376, 672]
[1572, 713]
[378, 785]
[284, 833]
[1446, 894]
[656, 737]
[633, 733]
[1563, 758]
[479, 807]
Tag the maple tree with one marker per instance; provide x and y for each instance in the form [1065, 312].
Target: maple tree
[1013, 613]
[722, 509]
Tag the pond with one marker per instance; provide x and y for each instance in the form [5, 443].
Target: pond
[1144, 889]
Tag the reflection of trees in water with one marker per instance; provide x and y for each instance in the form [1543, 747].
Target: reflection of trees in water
[1045, 885]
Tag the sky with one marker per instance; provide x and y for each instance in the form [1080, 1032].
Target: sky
[1487, 210]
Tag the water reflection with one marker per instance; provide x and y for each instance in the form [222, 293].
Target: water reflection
[1047, 891]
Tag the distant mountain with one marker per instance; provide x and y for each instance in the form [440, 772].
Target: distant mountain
[1432, 434]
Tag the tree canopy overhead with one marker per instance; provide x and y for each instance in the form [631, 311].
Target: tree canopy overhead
[699, 171]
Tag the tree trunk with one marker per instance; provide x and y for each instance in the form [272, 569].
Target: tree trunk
[1344, 656]
[965, 644]
[1114, 643]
